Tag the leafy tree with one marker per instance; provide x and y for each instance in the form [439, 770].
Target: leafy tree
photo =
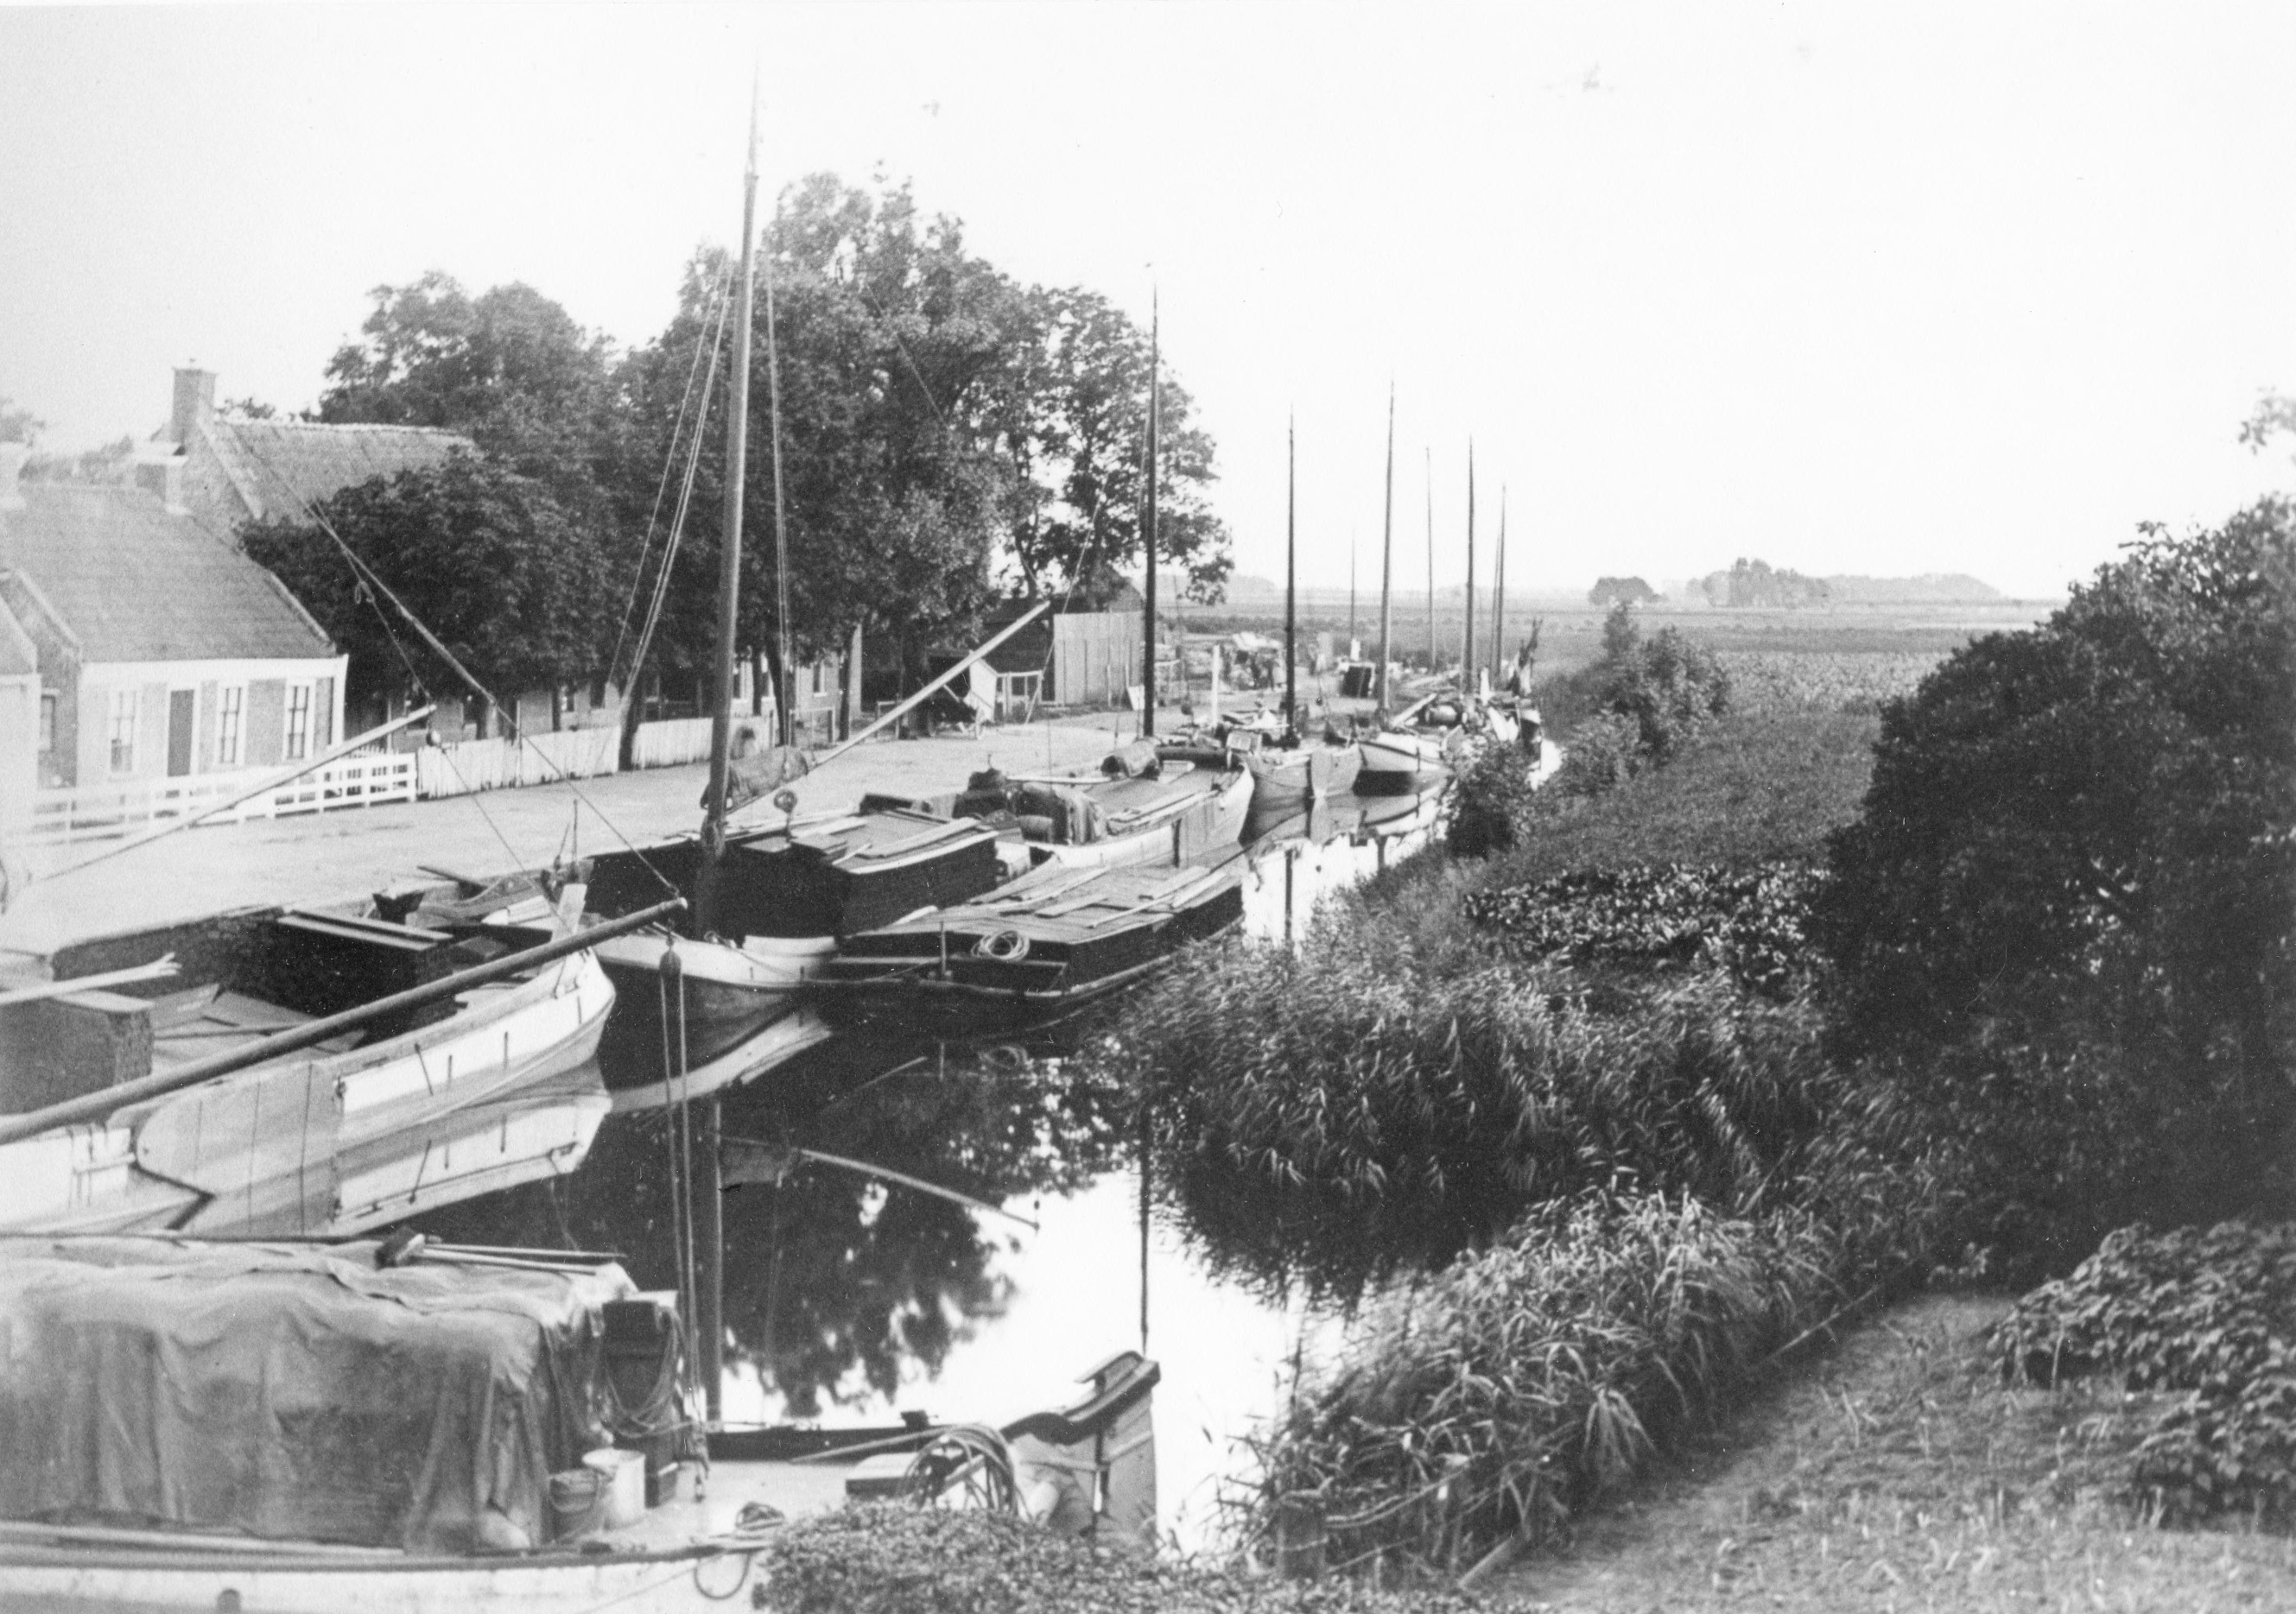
[1621, 591]
[510, 368]
[507, 578]
[2078, 854]
[1079, 441]
[18, 425]
[888, 336]
[2274, 416]
[1756, 582]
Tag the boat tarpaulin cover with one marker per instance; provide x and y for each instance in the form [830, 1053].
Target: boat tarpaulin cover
[292, 1391]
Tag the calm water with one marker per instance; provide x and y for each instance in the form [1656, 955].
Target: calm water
[852, 1299]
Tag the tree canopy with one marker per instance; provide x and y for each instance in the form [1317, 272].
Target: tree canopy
[1621, 591]
[494, 565]
[18, 425]
[946, 431]
[510, 369]
[1757, 583]
[2085, 835]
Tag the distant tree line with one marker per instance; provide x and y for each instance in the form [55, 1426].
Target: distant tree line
[1622, 591]
[948, 433]
[1755, 583]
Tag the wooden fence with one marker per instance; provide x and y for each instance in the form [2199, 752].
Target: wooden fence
[470, 765]
[101, 812]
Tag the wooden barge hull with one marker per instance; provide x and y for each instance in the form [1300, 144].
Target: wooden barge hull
[1053, 942]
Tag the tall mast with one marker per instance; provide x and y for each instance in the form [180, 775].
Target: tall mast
[1430, 560]
[729, 567]
[784, 672]
[1291, 581]
[1351, 593]
[1387, 555]
[1148, 529]
[1467, 650]
[1498, 598]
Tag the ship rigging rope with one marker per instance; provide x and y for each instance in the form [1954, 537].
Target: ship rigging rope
[703, 342]
[678, 522]
[372, 585]
[685, 499]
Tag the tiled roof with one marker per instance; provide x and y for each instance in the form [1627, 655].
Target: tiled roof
[135, 584]
[280, 466]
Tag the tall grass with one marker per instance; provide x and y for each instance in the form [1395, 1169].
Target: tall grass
[1497, 1398]
[1340, 1115]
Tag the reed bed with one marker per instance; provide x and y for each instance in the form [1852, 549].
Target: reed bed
[1487, 1405]
[1341, 1115]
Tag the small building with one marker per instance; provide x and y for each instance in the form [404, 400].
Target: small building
[161, 650]
[1085, 658]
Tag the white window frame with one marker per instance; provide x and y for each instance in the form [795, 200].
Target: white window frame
[122, 711]
[293, 746]
[230, 724]
[48, 707]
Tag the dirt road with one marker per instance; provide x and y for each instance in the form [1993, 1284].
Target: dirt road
[349, 854]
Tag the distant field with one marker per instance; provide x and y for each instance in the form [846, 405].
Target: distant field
[1571, 636]
[1760, 786]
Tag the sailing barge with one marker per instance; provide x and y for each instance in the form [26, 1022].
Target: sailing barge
[1053, 941]
[1144, 807]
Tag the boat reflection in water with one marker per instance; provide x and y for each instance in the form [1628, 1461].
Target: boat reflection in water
[853, 1299]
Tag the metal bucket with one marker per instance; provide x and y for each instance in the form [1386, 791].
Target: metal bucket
[578, 1501]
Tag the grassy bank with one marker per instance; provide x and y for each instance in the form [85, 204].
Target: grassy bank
[1582, 1187]
[1898, 1471]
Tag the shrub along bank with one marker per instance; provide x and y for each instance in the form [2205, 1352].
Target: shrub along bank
[1598, 1136]
[1568, 1139]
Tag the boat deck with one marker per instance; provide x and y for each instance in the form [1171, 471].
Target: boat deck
[713, 1508]
[1059, 904]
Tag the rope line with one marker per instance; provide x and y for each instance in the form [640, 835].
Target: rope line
[670, 463]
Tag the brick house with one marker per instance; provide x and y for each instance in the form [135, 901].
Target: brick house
[160, 652]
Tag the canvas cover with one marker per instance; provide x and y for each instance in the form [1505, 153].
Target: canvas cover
[292, 1391]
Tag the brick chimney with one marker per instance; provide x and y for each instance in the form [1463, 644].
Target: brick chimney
[13, 456]
[194, 403]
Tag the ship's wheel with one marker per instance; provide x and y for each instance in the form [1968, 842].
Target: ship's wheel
[965, 1467]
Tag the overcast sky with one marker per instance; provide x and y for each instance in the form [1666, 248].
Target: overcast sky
[1951, 288]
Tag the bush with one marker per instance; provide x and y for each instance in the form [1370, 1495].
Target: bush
[1605, 752]
[1746, 924]
[2068, 910]
[1490, 800]
[2083, 831]
[2211, 1312]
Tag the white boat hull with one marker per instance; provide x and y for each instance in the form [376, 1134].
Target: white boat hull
[364, 1583]
[318, 1143]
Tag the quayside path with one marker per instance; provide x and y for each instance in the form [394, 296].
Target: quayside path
[340, 855]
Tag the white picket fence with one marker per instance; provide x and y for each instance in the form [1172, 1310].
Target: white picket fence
[101, 812]
[470, 765]
[672, 742]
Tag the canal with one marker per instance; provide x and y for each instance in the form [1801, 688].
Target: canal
[853, 1297]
